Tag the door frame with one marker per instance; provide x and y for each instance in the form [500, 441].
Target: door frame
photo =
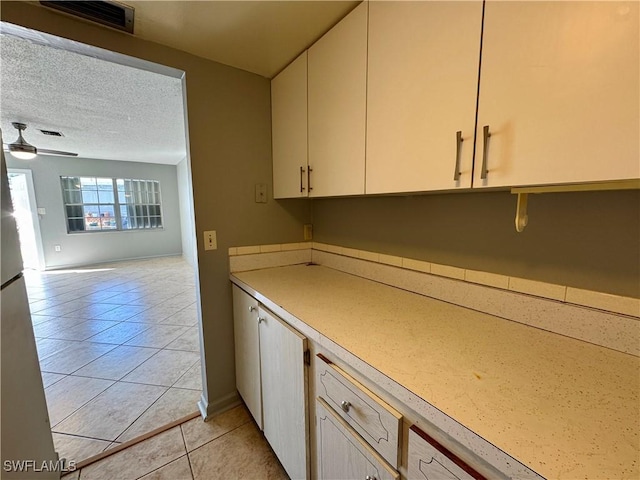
[35, 216]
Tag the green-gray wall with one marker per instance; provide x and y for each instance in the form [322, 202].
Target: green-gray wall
[99, 247]
[587, 240]
[230, 142]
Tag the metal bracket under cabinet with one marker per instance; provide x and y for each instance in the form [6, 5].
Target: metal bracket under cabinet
[522, 218]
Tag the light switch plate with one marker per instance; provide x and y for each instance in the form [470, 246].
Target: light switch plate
[261, 193]
[42, 211]
[210, 240]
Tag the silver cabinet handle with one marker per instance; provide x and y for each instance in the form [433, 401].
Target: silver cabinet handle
[261, 319]
[309, 170]
[301, 175]
[252, 308]
[345, 405]
[369, 477]
[485, 150]
[459, 140]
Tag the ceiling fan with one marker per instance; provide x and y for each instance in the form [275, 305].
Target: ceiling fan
[25, 151]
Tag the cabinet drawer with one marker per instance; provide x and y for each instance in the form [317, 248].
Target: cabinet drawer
[429, 459]
[343, 454]
[377, 422]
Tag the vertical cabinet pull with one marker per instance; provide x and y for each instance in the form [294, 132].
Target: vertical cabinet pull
[301, 175]
[309, 170]
[485, 149]
[456, 173]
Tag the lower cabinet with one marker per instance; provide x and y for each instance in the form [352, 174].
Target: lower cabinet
[342, 454]
[379, 424]
[427, 459]
[284, 393]
[358, 435]
[272, 379]
[247, 350]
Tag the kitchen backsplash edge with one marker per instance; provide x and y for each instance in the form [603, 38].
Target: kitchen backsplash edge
[607, 320]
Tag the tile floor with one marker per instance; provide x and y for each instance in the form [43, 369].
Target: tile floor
[119, 350]
[229, 446]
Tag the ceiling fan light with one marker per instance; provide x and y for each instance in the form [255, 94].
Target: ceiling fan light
[23, 151]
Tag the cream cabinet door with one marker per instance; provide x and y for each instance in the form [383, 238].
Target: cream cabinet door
[337, 107]
[247, 351]
[342, 454]
[284, 393]
[559, 93]
[289, 130]
[422, 89]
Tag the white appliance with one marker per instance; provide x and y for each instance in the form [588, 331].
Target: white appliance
[27, 443]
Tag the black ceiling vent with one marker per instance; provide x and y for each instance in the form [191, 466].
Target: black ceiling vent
[111, 14]
[51, 133]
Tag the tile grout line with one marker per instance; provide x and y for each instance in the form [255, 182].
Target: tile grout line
[139, 439]
[143, 412]
[186, 371]
[186, 449]
[84, 437]
[81, 406]
[158, 399]
[224, 434]
[164, 465]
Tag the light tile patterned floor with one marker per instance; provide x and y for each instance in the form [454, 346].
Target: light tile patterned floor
[119, 350]
[227, 447]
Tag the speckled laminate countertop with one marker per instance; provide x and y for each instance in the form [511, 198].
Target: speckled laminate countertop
[565, 408]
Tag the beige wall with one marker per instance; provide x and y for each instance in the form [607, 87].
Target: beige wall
[586, 240]
[230, 140]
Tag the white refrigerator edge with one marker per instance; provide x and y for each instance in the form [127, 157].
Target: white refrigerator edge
[24, 420]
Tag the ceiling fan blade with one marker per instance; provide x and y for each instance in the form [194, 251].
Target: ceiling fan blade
[45, 151]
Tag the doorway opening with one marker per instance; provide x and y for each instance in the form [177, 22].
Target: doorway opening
[116, 313]
[26, 215]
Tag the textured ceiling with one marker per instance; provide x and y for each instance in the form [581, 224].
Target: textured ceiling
[111, 111]
[258, 36]
[105, 110]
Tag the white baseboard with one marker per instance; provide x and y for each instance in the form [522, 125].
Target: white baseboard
[209, 409]
[66, 266]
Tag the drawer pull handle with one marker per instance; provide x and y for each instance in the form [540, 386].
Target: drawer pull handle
[485, 151]
[369, 477]
[302, 170]
[252, 308]
[459, 140]
[345, 405]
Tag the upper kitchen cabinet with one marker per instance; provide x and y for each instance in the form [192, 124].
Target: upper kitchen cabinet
[337, 107]
[422, 90]
[559, 93]
[289, 130]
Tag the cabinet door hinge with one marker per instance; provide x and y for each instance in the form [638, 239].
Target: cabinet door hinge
[307, 357]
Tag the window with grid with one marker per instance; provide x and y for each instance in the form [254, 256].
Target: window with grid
[139, 203]
[103, 204]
